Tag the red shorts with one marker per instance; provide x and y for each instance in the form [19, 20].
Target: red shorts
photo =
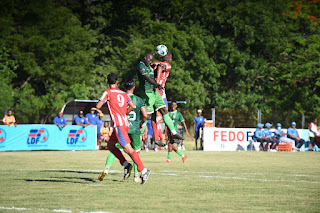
[120, 134]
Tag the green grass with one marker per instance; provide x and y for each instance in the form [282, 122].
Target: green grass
[209, 182]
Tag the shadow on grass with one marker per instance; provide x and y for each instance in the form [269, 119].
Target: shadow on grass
[71, 171]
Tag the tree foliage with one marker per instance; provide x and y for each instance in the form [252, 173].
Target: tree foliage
[226, 54]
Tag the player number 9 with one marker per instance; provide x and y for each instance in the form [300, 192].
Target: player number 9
[120, 98]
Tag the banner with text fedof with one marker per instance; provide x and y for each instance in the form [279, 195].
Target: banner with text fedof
[47, 137]
[233, 139]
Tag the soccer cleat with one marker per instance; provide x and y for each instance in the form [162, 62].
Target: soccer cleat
[102, 175]
[127, 171]
[159, 143]
[145, 176]
[137, 179]
[178, 137]
[184, 159]
[167, 161]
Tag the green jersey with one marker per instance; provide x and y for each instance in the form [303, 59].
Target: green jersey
[134, 115]
[145, 70]
[176, 117]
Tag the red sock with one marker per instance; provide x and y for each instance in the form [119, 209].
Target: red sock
[136, 159]
[155, 131]
[119, 155]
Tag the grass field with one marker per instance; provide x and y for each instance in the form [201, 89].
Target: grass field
[66, 181]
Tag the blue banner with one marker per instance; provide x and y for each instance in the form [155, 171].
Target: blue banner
[47, 137]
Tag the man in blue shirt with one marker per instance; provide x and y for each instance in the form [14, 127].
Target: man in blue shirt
[92, 117]
[292, 133]
[99, 123]
[59, 120]
[261, 138]
[80, 120]
[274, 141]
[197, 125]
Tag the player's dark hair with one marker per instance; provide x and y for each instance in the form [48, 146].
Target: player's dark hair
[149, 54]
[167, 57]
[129, 84]
[174, 102]
[112, 78]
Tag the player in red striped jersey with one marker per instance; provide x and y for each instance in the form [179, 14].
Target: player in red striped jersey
[161, 78]
[120, 105]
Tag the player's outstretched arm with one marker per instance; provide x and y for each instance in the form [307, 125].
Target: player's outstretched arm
[99, 105]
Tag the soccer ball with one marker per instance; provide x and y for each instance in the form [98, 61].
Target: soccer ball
[162, 50]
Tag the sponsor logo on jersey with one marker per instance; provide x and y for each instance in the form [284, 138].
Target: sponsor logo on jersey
[76, 136]
[37, 137]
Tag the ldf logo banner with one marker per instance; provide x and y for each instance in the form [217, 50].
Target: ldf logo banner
[47, 137]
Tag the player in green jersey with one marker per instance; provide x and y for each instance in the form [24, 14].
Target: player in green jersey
[176, 117]
[151, 96]
[134, 130]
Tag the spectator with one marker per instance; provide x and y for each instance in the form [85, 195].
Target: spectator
[282, 136]
[197, 125]
[150, 136]
[294, 135]
[259, 133]
[105, 131]
[80, 120]
[313, 133]
[99, 123]
[273, 140]
[59, 120]
[92, 117]
[9, 119]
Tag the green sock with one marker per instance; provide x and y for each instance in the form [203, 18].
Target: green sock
[167, 120]
[169, 155]
[143, 126]
[135, 168]
[179, 153]
[110, 160]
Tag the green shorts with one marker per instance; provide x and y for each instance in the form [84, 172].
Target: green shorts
[152, 100]
[135, 142]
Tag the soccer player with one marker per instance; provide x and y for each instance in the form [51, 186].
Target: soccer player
[176, 116]
[151, 96]
[134, 129]
[120, 105]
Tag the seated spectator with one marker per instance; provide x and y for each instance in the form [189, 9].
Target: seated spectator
[292, 133]
[313, 133]
[261, 138]
[9, 119]
[106, 132]
[99, 123]
[92, 116]
[282, 136]
[59, 120]
[273, 140]
[80, 120]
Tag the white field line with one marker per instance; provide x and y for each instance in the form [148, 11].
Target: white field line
[42, 209]
[199, 174]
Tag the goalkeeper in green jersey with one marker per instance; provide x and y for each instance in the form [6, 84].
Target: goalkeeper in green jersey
[176, 117]
[134, 129]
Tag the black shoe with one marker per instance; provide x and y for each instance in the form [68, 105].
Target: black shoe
[127, 171]
[177, 136]
[159, 143]
[145, 177]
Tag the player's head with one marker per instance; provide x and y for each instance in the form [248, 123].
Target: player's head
[112, 78]
[199, 112]
[174, 105]
[60, 114]
[148, 59]
[80, 113]
[92, 110]
[315, 120]
[167, 58]
[106, 124]
[9, 112]
[130, 84]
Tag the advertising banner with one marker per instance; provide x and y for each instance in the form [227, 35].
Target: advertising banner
[47, 137]
[233, 139]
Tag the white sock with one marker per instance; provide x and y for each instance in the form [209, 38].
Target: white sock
[125, 163]
[107, 167]
[174, 132]
[144, 171]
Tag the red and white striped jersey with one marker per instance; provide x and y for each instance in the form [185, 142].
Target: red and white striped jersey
[117, 101]
[165, 73]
